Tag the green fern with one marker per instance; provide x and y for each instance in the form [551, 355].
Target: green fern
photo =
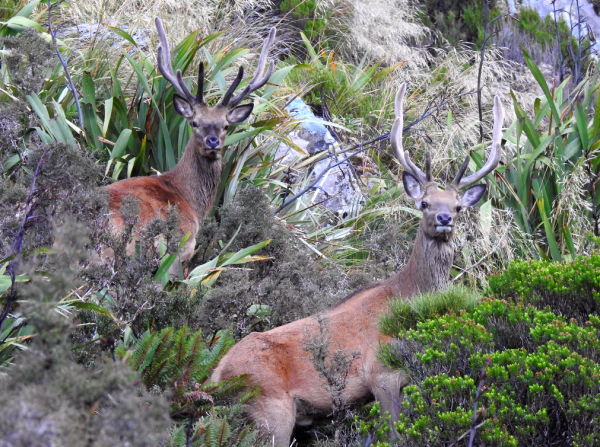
[181, 362]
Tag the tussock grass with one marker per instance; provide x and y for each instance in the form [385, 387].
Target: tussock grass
[406, 313]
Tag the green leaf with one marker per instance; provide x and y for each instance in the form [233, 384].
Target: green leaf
[90, 306]
[245, 252]
[121, 144]
[539, 77]
[123, 34]
[20, 24]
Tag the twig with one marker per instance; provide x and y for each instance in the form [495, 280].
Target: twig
[476, 415]
[52, 33]
[17, 247]
[486, 24]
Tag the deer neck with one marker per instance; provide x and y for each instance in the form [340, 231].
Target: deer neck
[428, 268]
[196, 177]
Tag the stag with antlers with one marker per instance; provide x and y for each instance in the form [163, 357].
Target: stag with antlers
[292, 391]
[191, 185]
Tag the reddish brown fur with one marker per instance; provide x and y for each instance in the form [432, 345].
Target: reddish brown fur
[191, 187]
[292, 390]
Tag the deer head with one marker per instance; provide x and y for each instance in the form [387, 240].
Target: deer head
[210, 124]
[440, 207]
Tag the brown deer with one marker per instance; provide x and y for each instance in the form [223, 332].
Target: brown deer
[191, 185]
[292, 391]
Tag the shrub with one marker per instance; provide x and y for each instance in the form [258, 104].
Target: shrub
[543, 379]
[289, 286]
[570, 289]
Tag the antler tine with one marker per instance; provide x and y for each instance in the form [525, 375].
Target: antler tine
[232, 87]
[200, 92]
[495, 153]
[396, 139]
[428, 175]
[165, 66]
[258, 80]
[461, 171]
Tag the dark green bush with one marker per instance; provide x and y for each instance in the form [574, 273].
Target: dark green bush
[570, 289]
[543, 379]
[457, 20]
[292, 284]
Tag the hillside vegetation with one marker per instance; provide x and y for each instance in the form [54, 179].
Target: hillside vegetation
[116, 350]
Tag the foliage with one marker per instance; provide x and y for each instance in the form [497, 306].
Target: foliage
[553, 170]
[542, 385]
[570, 289]
[457, 20]
[45, 391]
[347, 88]
[181, 362]
[406, 313]
[287, 286]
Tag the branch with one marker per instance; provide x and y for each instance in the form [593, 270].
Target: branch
[480, 390]
[52, 33]
[17, 247]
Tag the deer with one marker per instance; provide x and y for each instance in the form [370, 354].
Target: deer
[292, 391]
[191, 186]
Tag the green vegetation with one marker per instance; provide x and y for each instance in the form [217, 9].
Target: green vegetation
[543, 375]
[121, 351]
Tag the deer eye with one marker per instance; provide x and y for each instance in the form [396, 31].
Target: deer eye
[424, 205]
[226, 127]
[194, 124]
[458, 208]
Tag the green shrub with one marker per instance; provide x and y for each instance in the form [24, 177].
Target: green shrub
[570, 289]
[543, 378]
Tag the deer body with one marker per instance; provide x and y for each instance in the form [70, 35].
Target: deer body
[192, 185]
[292, 391]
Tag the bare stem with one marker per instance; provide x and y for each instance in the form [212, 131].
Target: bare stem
[17, 247]
[52, 32]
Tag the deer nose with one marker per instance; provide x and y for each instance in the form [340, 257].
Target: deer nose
[444, 219]
[212, 142]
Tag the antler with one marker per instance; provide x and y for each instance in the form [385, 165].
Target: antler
[165, 67]
[396, 140]
[258, 80]
[494, 158]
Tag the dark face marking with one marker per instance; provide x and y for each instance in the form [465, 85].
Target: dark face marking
[210, 125]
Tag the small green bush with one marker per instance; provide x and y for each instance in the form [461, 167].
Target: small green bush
[543, 378]
[570, 289]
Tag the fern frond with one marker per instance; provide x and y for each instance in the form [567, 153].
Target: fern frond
[222, 432]
[250, 395]
[141, 349]
[181, 345]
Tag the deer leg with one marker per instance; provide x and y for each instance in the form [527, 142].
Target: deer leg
[275, 418]
[387, 387]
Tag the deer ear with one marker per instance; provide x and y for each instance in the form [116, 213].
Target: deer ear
[240, 113]
[472, 195]
[412, 186]
[182, 106]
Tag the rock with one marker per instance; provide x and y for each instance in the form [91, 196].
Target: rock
[338, 188]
